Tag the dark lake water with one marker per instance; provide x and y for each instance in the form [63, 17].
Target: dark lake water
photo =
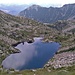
[33, 55]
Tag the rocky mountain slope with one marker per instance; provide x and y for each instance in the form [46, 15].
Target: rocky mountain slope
[51, 14]
[15, 29]
[18, 29]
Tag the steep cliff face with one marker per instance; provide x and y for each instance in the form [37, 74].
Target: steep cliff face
[51, 14]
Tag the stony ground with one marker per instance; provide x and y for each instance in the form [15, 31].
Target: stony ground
[64, 59]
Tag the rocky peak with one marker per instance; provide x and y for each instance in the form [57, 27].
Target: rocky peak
[34, 7]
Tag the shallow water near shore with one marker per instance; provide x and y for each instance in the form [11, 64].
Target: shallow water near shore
[33, 55]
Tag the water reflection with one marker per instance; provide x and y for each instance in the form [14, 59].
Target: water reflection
[33, 55]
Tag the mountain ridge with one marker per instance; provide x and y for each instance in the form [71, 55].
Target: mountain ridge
[51, 14]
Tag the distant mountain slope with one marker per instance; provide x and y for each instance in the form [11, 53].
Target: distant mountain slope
[51, 14]
[64, 26]
[12, 9]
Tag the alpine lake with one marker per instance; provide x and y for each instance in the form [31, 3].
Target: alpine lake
[32, 56]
